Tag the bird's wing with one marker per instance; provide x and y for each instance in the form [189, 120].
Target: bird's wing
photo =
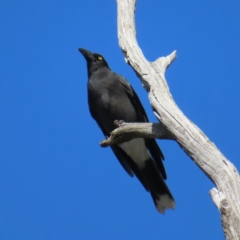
[133, 97]
[142, 117]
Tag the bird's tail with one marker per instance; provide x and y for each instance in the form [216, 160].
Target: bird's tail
[160, 193]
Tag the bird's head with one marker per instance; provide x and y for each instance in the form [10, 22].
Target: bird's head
[95, 61]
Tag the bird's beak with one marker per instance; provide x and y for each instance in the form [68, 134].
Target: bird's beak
[88, 55]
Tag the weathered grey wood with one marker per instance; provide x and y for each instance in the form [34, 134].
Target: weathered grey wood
[198, 147]
[127, 131]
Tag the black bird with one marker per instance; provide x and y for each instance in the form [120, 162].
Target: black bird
[110, 98]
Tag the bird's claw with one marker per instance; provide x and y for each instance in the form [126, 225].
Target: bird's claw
[118, 122]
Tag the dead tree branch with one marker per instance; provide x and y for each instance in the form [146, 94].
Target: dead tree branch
[128, 131]
[198, 147]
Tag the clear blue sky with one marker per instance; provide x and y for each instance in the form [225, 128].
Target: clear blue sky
[56, 182]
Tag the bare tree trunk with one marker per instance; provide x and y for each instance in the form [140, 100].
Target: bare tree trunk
[175, 125]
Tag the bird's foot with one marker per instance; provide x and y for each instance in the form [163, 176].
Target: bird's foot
[118, 122]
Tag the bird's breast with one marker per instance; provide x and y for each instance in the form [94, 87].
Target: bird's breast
[109, 98]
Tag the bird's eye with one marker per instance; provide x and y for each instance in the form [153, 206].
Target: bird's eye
[99, 58]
